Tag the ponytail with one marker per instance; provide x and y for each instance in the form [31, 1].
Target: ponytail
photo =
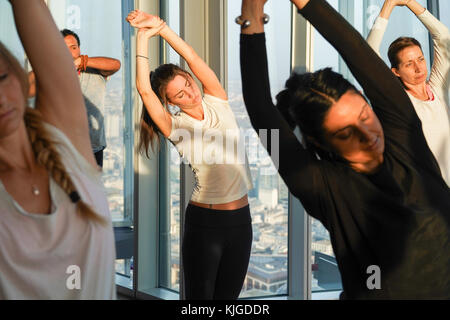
[150, 135]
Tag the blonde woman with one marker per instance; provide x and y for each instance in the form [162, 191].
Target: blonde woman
[56, 237]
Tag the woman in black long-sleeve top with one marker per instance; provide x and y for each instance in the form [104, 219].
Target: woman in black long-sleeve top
[375, 186]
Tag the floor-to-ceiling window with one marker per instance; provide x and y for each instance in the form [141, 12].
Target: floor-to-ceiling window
[8, 32]
[170, 220]
[444, 12]
[267, 272]
[100, 27]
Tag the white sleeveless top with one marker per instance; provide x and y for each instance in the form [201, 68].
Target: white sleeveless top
[214, 149]
[48, 256]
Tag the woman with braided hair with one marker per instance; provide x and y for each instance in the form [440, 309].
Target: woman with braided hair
[56, 237]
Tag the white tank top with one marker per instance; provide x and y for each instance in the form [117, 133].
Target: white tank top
[214, 149]
[48, 256]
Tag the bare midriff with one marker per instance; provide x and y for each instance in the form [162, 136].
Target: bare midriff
[233, 205]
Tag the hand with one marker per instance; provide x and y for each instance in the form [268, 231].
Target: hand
[151, 32]
[300, 4]
[81, 62]
[140, 19]
[399, 3]
[77, 63]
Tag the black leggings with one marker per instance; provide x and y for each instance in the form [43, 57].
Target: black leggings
[216, 251]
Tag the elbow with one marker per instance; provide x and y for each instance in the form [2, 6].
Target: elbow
[142, 91]
[141, 88]
[117, 65]
[114, 67]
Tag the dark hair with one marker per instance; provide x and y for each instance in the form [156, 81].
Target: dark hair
[67, 32]
[398, 45]
[306, 101]
[159, 79]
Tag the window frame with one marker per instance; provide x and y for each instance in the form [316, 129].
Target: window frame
[151, 175]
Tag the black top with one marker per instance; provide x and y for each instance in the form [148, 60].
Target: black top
[397, 219]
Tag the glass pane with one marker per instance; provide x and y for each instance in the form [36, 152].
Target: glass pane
[267, 272]
[8, 32]
[99, 27]
[361, 14]
[444, 12]
[170, 241]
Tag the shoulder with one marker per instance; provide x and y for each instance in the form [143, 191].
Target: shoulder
[214, 101]
[70, 156]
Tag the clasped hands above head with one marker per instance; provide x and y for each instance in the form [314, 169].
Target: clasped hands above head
[145, 21]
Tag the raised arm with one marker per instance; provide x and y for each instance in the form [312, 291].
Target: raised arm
[376, 34]
[58, 94]
[299, 170]
[206, 76]
[440, 70]
[384, 90]
[154, 107]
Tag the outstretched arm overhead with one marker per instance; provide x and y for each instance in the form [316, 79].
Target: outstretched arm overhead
[385, 92]
[440, 70]
[379, 27]
[206, 76]
[298, 168]
[58, 86]
[154, 107]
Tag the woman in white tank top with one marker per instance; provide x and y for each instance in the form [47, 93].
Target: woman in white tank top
[56, 236]
[218, 234]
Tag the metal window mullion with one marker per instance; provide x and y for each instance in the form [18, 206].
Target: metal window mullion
[146, 227]
[202, 37]
[299, 234]
[128, 140]
[346, 9]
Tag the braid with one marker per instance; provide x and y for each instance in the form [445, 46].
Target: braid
[48, 156]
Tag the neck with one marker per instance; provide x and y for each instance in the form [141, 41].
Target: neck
[419, 91]
[368, 167]
[16, 151]
[195, 112]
